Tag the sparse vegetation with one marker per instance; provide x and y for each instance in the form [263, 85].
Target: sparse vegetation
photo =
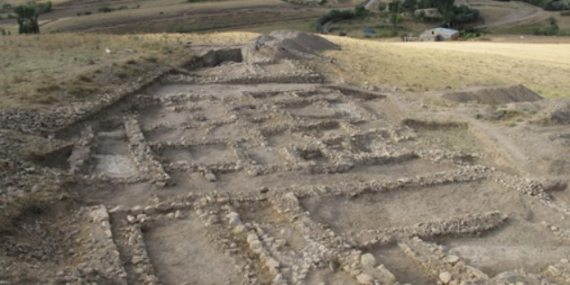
[105, 9]
[339, 15]
[197, 1]
[41, 66]
[551, 5]
[551, 30]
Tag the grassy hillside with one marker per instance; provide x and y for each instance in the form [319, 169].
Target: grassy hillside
[57, 69]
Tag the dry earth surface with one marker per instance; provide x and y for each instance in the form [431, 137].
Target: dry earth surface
[305, 161]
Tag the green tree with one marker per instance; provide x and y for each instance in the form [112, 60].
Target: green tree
[27, 18]
[410, 5]
[395, 6]
[360, 11]
[424, 4]
[395, 19]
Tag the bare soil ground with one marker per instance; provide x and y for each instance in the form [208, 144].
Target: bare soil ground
[255, 166]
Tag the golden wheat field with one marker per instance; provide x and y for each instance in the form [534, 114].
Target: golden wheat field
[423, 66]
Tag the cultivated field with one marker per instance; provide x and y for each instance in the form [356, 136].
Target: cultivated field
[169, 16]
[420, 67]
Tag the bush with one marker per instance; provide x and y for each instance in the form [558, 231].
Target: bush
[334, 16]
[44, 7]
[395, 6]
[79, 91]
[548, 31]
[360, 11]
[551, 30]
[395, 19]
[105, 10]
[555, 5]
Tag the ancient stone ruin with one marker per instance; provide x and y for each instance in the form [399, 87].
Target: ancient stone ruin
[247, 169]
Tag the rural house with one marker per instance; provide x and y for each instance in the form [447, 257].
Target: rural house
[439, 34]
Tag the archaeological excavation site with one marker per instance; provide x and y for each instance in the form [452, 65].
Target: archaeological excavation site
[256, 164]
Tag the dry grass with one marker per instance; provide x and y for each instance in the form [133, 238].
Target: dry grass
[19, 2]
[162, 14]
[435, 66]
[56, 69]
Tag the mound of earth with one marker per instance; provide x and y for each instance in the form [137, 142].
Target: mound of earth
[557, 112]
[494, 96]
[292, 44]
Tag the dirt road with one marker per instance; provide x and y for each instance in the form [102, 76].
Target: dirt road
[510, 14]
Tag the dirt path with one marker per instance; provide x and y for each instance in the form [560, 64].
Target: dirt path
[521, 12]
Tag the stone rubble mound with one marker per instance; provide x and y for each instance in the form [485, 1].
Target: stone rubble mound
[293, 44]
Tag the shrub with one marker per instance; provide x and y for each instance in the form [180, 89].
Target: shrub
[44, 7]
[552, 30]
[555, 5]
[49, 88]
[84, 78]
[82, 91]
[395, 19]
[122, 74]
[105, 10]
[334, 16]
[395, 6]
[548, 31]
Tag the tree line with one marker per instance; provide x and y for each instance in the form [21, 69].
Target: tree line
[452, 16]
